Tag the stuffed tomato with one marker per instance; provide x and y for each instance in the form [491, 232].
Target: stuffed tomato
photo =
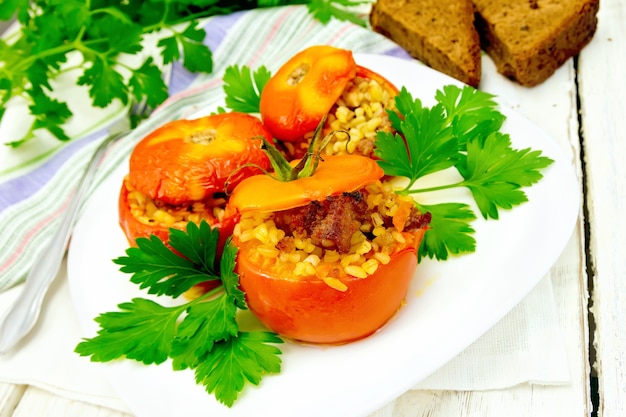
[180, 172]
[354, 100]
[326, 258]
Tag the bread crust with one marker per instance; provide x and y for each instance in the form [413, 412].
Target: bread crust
[529, 40]
[441, 34]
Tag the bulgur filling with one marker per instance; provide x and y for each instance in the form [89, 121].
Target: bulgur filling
[361, 111]
[349, 235]
[157, 213]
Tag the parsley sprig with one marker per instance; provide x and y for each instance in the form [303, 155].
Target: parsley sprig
[201, 334]
[461, 131]
[93, 38]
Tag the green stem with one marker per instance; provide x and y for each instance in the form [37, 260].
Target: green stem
[61, 49]
[284, 171]
[208, 294]
[166, 10]
[112, 11]
[430, 189]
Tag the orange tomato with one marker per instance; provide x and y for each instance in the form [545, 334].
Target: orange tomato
[311, 311]
[308, 308]
[304, 89]
[189, 160]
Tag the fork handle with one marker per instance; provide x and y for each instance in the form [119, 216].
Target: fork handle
[23, 315]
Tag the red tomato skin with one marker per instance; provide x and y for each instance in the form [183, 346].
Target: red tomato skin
[291, 109]
[134, 229]
[308, 310]
[131, 226]
[173, 164]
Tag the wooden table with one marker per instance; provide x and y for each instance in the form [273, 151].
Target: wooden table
[582, 108]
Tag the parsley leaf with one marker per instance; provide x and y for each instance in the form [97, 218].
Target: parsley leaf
[196, 56]
[164, 272]
[325, 10]
[238, 360]
[201, 334]
[406, 104]
[117, 34]
[462, 131]
[197, 243]
[428, 145]
[230, 279]
[470, 112]
[243, 87]
[9, 7]
[48, 112]
[205, 324]
[147, 82]
[495, 173]
[169, 49]
[449, 231]
[142, 331]
[104, 82]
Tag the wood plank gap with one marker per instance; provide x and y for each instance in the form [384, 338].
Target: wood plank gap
[589, 265]
[10, 396]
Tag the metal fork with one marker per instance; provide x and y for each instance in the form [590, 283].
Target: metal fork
[25, 311]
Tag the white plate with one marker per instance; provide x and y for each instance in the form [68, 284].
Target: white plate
[449, 305]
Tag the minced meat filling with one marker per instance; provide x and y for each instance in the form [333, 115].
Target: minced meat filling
[332, 222]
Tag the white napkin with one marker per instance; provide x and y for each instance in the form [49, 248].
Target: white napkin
[45, 358]
[524, 347]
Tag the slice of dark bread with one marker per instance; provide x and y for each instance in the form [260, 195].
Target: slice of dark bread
[440, 33]
[529, 39]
